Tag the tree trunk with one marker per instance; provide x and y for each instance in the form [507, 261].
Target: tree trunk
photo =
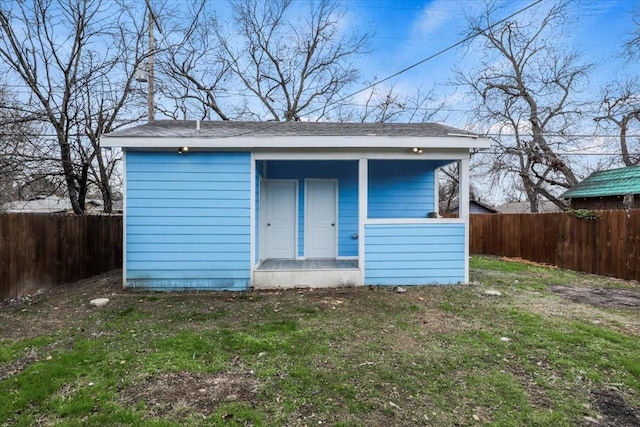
[67, 167]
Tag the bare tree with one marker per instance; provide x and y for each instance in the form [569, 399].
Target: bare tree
[26, 160]
[419, 106]
[386, 105]
[621, 102]
[192, 71]
[289, 60]
[621, 110]
[449, 187]
[14, 134]
[632, 45]
[108, 100]
[525, 87]
[77, 58]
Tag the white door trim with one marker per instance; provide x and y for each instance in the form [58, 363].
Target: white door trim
[306, 213]
[255, 186]
[263, 220]
[363, 212]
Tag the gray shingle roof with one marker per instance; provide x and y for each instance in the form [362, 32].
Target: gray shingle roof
[544, 206]
[613, 182]
[227, 129]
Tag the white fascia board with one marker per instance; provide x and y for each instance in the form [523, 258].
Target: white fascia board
[299, 142]
[356, 154]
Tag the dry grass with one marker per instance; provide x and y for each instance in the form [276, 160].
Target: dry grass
[353, 356]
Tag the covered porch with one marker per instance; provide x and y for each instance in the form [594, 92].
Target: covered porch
[326, 220]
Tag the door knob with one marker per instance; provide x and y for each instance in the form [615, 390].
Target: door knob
[268, 224]
[333, 224]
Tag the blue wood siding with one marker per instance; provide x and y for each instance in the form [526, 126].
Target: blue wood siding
[188, 220]
[401, 188]
[414, 254]
[347, 174]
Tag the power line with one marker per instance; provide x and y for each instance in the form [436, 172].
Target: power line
[224, 93]
[410, 67]
[430, 57]
[574, 153]
[564, 135]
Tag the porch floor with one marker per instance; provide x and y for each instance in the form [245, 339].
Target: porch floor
[307, 264]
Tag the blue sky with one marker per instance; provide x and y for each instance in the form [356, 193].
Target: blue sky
[407, 31]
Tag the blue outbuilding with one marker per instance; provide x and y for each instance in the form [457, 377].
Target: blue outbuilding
[239, 205]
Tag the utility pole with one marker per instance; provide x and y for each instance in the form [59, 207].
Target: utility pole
[150, 88]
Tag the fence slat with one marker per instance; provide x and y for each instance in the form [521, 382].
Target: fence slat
[41, 251]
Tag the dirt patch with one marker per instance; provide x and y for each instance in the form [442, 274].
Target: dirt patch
[64, 306]
[438, 322]
[9, 370]
[603, 297]
[537, 395]
[179, 395]
[614, 409]
[527, 262]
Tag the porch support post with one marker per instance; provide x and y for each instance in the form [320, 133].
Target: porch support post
[363, 197]
[125, 213]
[463, 209]
[436, 192]
[252, 218]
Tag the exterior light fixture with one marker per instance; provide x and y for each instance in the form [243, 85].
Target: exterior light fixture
[417, 150]
[183, 149]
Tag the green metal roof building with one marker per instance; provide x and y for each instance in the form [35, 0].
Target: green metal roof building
[610, 189]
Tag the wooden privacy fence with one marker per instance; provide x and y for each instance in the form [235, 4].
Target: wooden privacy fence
[609, 245]
[40, 251]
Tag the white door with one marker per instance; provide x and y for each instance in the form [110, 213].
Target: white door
[279, 219]
[321, 218]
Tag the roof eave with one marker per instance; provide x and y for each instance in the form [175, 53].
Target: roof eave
[300, 142]
[593, 196]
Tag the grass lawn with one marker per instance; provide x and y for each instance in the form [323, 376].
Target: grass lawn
[435, 355]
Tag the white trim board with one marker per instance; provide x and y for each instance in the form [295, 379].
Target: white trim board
[363, 200]
[391, 221]
[252, 219]
[436, 191]
[261, 248]
[296, 141]
[451, 155]
[463, 210]
[124, 219]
